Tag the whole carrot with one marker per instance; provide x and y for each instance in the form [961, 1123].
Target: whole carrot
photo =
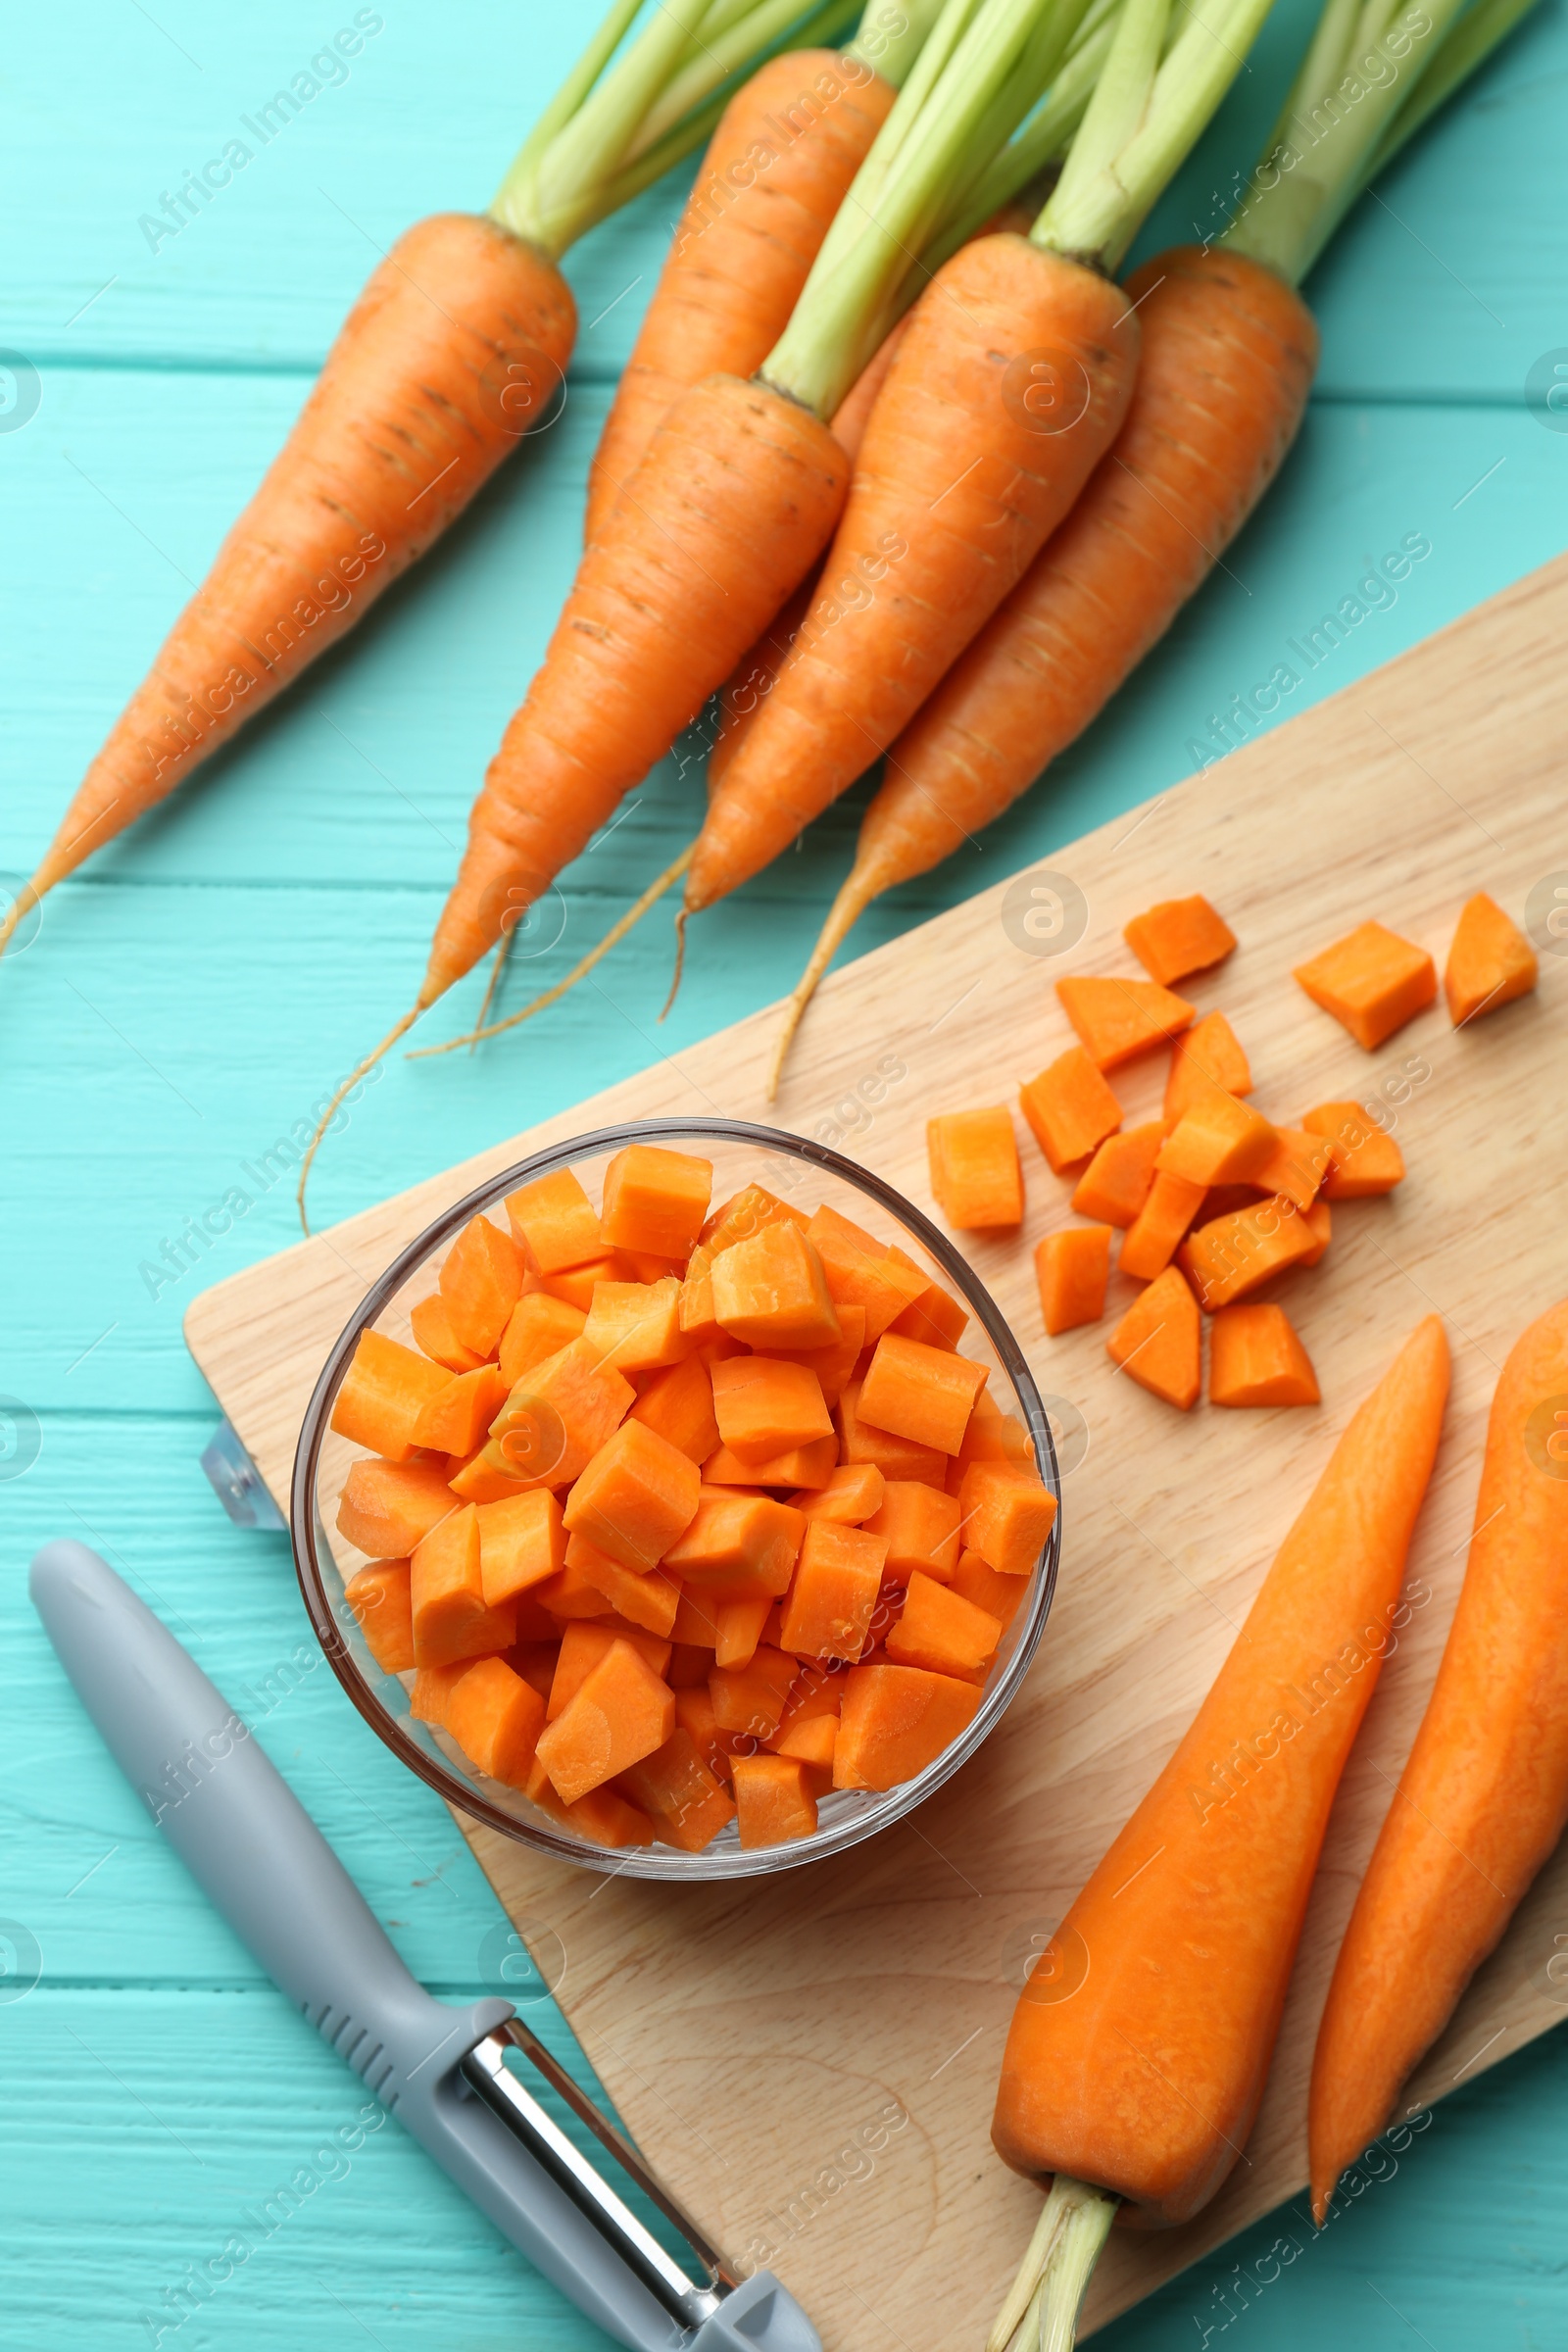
[1140, 2046]
[1484, 1795]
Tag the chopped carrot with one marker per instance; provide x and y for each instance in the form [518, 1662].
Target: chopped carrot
[649, 1600]
[896, 1457]
[1219, 1140]
[656, 1200]
[749, 1699]
[940, 1631]
[861, 1272]
[686, 1804]
[837, 1579]
[620, 1713]
[772, 1801]
[451, 1618]
[834, 1363]
[1320, 1226]
[457, 1419]
[1490, 961]
[1007, 1514]
[1230, 1255]
[1158, 1342]
[1210, 1054]
[576, 1285]
[481, 1279]
[1114, 1186]
[809, 1465]
[737, 1629]
[1071, 1108]
[604, 1817]
[810, 1741]
[554, 1222]
[770, 1289]
[521, 1542]
[677, 1405]
[1296, 1167]
[1371, 981]
[378, 1597]
[975, 1580]
[1151, 1241]
[535, 1661]
[696, 1623]
[384, 1391]
[540, 1325]
[635, 1497]
[976, 1179]
[854, 1494]
[1116, 1020]
[570, 1594]
[1177, 936]
[1363, 1158]
[496, 1718]
[738, 1545]
[558, 1416]
[935, 1316]
[992, 1436]
[694, 1712]
[897, 1719]
[386, 1508]
[763, 1407]
[433, 1687]
[743, 1213]
[1255, 1357]
[920, 1525]
[434, 1336]
[583, 1644]
[636, 1325]
[923, 1393]
[1072, 1268]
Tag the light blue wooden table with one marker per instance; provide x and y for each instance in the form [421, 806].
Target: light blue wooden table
[192, 996]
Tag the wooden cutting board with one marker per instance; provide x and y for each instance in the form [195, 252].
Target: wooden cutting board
[810, 2060]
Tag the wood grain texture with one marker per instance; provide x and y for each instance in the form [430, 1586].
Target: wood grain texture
[798, 2011]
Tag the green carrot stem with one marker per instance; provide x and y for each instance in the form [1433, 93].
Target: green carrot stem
[721, 51]
[609, 116]
[1471, 41]
[892, 35]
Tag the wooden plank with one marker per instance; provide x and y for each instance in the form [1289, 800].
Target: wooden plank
[808, 2007]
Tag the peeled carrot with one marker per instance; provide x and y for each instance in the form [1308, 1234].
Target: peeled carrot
[1484, 1795]
[1140, 2045]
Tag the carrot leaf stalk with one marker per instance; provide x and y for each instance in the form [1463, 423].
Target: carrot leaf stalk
[1040, 2313]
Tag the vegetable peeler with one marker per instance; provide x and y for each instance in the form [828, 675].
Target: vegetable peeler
[440, 2069]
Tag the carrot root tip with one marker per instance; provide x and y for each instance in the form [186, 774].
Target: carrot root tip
[401, 1029]
[681, 921]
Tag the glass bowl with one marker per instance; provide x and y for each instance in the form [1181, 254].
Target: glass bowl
[796, 1170]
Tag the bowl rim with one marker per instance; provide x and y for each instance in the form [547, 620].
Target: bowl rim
[635, 1861]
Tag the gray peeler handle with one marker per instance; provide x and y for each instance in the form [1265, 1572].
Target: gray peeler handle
[256, 1854]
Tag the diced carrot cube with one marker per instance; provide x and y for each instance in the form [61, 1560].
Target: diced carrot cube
[1071, 1108]
[431, 1325]
[496, 1718]
[447, 1596]
[481, 1280]
[535, 1661]
[478, 1480]
[558, 1416]
[923, 1393]
[694, 1712]
[635, 1497]
[743, 1213]
[975, 1580]
[677, 1405]
[919, 1525]
[583, 1644]
[1320, 1225]
[604, 1817]
[636, 1325]
[940, 1631]
[1296, 1167]
[521, 1542]
[540, 1325]
[770, 1291]
[380, 1599]
[861, 1271]
[809, 1465]
[1363, 1158]
[620, 1712]
[935, 1316]
[1117, 1019]
[1209, 1056]
[553, 1224]
[1490, 962]
[1114, 1186]
[737, 1629]
[570, 1594]
[696, 1623]
[1220, 1140]
[433, 1687]
[738, 1545]
[649, 1600]
[816, 1694]
[457, 1419]
[895, 1456]
[1158, 1342]
[686, 1804]
[834, 1363]
[1230, 1255]
[749, 1700]
[386, 1508]
[993, 1436]
[895, 1721]
[1006, 1512]
[1255, 1357]
[773, 1802]
[835, 1591]
[1072, 1268]
[384, 1391]
[656, 1200]
[574, 1286]
[1177, 936]
[1151, 1238]
[976, 1179]
[852, 1494]
[810, 1741]
[1372, 981]
[764, 1405]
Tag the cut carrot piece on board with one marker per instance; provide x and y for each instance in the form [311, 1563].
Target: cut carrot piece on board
[861, 1441]
[384, 1391]
[380, 1599]
[656, 1200]
[555, 1223]
[773, 1800]
[686, 1804]
[1255, 1358]
[582, 1647]
[1230, 1255]
[975, 1580]
[1297, 1167]
[1177, 937]
[677, 1405]
[386, 1508]
[496, 1718]
[459, 1418]
[771, 1291]
[1158, 1342]
[434, 1336]
[540, 1325]
[1372, 981]
[481, 1280]
[920, 1525]
[1071, 1108]
[940, 1630]
[1490, 962]
[854, 1493]
[1072, 1268]
[809, 1465]
[834, 1363]
[521, 1542]
[1114, 1186]
[558, 1416]
[923, 1393]
[1220, 1140]
[635, 1497]
[1363, 1158]
[837, 1579]
[1210, 1054]
[620, 1712]
[863, 1272]
[1116, 1020]
[749, 1700]
[896, 1720]
[433, 1687]
[1320, 1226]
[763, 1407]
[636, 1325]
[1151, 1241]
[738, 1545]
[976, 1179]
[1006, 1514]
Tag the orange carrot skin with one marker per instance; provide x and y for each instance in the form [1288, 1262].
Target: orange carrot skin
[1484, 1796]
[1229, 353]
[737, 496]
[1140, 2046]
[956, 489]
[454, 350]
[776, 171]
